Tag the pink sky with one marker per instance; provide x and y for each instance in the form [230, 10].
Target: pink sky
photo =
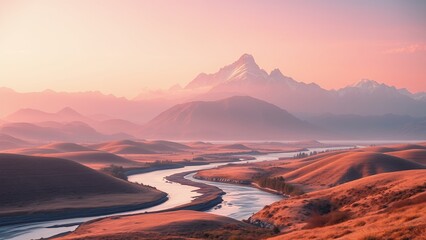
[122, 47]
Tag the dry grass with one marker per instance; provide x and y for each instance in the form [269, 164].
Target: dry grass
[378, 205]
[328, 219]
[408, 222]
[169, 225]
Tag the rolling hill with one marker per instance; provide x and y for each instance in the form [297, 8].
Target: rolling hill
[33, 188]
[140, 147]
[348, 166]
[415, 155]
[78, 153]
[9, 142]
[363, 207]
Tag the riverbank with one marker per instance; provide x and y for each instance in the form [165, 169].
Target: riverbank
[58, 214]
[239, 182]
[182, 224]
[210, 195]
[37, 189]
[182, 164]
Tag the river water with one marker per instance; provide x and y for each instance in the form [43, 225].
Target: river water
[239, 202]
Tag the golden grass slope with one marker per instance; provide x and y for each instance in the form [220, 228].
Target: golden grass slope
[168, 225]
[348, 166]
[416, 155]
[384, 193]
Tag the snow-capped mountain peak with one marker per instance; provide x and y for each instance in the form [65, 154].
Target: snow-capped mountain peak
[246, 59]
[371, 87]
[240, 69]
[367, 84]
[276, 73]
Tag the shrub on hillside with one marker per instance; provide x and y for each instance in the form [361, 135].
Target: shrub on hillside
[115, 171]
[279, 184]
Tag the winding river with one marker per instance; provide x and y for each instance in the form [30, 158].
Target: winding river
[239, 202]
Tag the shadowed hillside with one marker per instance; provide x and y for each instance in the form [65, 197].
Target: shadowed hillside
[39, 186]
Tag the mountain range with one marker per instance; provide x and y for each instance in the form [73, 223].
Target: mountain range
[241, 78]
[270, 105]
[238, 117]
[68, 115]
[54, 131]
[367, 97]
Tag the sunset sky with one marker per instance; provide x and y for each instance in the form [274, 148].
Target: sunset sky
[124, 46]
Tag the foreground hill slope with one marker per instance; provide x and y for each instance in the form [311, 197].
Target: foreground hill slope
[167, 225]
[239, 117]
[34, 187]
[383, 205]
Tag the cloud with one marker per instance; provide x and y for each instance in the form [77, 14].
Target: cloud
[412, 48]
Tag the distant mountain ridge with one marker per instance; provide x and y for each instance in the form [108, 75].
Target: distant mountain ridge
[69, 115]
[239, 117]
[367, 97]
[66, 114]
[87, 103]
[241, 78]
[53, 131]
[365, 110]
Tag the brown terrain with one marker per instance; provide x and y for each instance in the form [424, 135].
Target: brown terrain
[167, 225]
[383, 206]
[348, 166]
[39, 188]
[415, 155]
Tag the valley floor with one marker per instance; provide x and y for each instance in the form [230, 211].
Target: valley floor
[367, 193]
[386, 199]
